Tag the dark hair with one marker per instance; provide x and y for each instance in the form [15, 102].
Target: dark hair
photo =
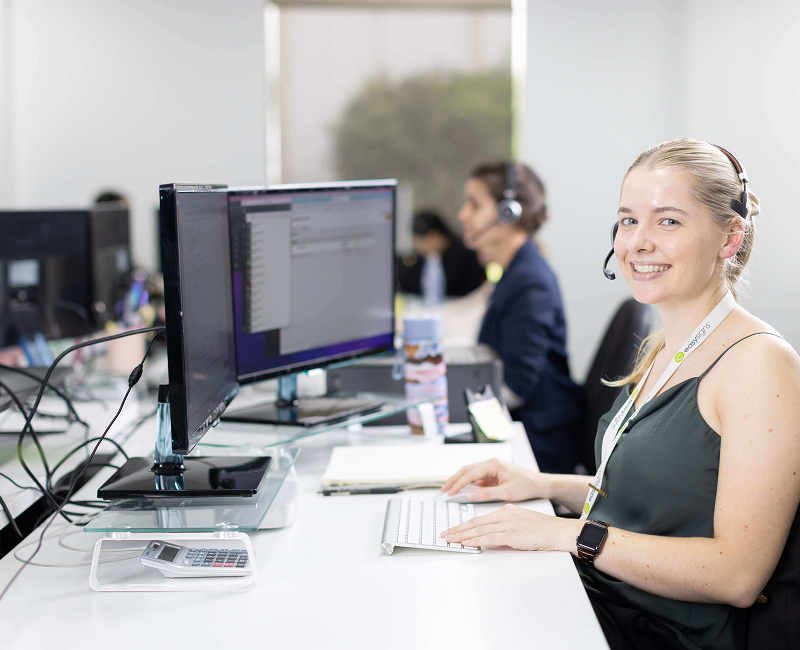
[529, 188]
[426, 221]
[109, 197]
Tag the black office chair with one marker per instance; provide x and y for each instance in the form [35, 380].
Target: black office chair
[772, 621]
[615, 357]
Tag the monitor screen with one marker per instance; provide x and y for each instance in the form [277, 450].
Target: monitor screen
[313, 277]
[45, 274]
[199, 309]
[111, 258]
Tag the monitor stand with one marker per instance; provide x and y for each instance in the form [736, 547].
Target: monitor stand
[173, 475]
[289, 409]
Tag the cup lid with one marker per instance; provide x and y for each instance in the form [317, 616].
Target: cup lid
[423, 326]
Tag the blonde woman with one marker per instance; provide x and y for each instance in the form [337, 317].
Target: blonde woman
[699, 457]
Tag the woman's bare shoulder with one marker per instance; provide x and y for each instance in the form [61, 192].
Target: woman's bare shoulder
[758, 353]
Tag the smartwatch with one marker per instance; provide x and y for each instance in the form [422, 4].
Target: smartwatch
[591, 540]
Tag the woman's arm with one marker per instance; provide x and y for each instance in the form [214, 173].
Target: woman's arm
[757, 495]
[498, 480]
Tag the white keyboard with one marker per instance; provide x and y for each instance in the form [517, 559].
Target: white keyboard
[418, 524]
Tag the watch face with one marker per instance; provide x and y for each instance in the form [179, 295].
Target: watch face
[591, 535]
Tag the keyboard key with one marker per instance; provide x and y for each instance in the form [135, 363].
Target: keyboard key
[415, 523]
[427, 523]
[441, 523]
[453, 514]
[402, 530]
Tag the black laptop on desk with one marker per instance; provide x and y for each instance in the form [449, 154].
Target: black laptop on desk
[467, 367]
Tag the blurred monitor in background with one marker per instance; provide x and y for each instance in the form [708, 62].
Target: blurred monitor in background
[435, 243]
[62, 271]
[45, 275]
[111, 255]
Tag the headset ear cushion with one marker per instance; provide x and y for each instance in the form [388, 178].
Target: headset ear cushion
[614, 230]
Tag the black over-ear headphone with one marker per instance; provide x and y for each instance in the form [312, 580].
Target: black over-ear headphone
[739, 207]
[508, 208]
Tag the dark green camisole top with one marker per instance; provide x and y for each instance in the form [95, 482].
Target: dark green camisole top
[661, 479]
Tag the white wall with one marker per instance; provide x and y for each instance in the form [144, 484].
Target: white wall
[128, 95]
[603, 85]
[743, 93]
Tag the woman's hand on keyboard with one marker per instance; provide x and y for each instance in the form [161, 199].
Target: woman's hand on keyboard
[518, 528]
[498, 480]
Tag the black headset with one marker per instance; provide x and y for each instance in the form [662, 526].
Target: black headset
[739, 207]
[509, 209]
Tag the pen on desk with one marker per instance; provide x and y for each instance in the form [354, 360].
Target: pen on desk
[386, 489]
[373, 490]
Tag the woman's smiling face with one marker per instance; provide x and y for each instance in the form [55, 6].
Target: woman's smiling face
[668, 247]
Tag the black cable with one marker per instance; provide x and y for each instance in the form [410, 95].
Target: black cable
[134, 377]
[79, 309]
[21, 487]
[30, 375]
[11, 521]
[89, 503]
[49, 372]
[78, 448]
[27, 469]
[71, 489]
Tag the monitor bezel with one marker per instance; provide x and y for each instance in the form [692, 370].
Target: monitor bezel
[345, 357]
[183, 440]
[47, 232]
[99, 214]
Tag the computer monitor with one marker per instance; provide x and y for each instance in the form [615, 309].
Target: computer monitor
[61, 271]
[198, 309]
[45, 275]
[110, 258]
[201, 356]
[313, 285]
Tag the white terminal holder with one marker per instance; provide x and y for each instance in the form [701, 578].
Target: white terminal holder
[131, 575]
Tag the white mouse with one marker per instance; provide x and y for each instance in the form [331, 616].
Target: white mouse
[463, 495]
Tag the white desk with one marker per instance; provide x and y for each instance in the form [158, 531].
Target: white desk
[57, 445]
[322, 584]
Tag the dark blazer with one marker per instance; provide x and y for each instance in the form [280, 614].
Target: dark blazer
[462, 271]
[525, 324]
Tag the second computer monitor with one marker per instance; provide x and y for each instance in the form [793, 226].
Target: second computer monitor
[313, 274]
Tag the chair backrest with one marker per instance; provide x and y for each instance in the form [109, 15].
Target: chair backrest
[615, 357]
[774, 624]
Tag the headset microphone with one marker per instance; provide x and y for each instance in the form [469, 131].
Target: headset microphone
[482, 232]
[609, 274]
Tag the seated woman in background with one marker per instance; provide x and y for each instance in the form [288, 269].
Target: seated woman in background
[433, 239]
[698, 485]
[524, 321]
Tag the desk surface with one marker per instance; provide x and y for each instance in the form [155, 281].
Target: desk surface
[322, 584]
